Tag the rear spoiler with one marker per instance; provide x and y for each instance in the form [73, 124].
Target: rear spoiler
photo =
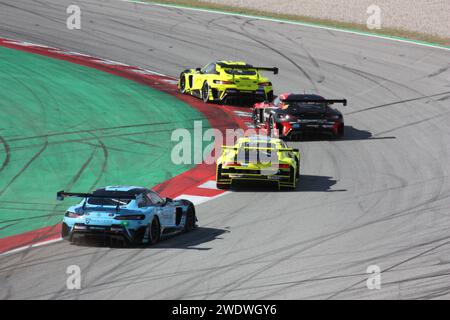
[274, 69]
[243, 67]
[60, 195]
[327, 101]
[260, 148]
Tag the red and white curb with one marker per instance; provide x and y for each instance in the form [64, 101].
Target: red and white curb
[196, 185]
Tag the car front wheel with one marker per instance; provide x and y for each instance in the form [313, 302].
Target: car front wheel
[190, 220]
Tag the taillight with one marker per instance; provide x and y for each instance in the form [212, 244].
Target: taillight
[283, 166]
[265, 84]
[223, 82]
[232, 164]
[69, 214]
[130, 217]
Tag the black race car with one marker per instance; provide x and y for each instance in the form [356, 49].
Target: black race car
[291, 115]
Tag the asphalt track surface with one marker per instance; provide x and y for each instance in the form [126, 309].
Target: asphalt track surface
[378, 197]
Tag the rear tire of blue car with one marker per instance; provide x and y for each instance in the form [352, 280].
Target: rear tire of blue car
[190, 220]
[65, 231]
[155, 231]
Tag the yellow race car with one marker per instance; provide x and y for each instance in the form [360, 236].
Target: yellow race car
[224, 80]
[258, 158]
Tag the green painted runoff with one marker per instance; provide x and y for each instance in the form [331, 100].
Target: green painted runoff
[68, 127]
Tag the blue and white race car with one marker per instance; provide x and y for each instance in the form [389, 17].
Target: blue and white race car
[133, 215]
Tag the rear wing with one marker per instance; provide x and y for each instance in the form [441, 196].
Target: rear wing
[274, 69]
[327, 101]
[60, 195]
[248, 66]
[260, 148]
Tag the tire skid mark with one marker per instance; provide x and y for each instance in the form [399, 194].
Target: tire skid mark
[398, 102]
[104, 162]
[25, 167]
[83, 167]
[118, 135]
[6, 148]
[334, 295]
[52, 134]
[264, 44]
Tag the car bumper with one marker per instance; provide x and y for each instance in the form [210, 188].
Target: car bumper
[100, 232]
[282, 177]
[289, 129]
[259, 94]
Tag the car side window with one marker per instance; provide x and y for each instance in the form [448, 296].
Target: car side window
[155, 199]
[143, 201]
[209, 69]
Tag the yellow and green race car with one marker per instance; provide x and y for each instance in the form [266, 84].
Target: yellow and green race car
[258, 158]
[224, 80]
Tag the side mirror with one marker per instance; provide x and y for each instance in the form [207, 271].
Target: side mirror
[198, 69]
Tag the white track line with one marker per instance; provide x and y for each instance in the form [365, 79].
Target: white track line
[211, 184]
[361, 33]
[38, 244]
[196, 200]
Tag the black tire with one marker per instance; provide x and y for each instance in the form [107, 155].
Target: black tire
[205, 92]
[139, 236]
[294, 180]
[182, 83]
[340, 132]
[155, 231]
[270, 96]
[190, 220]
[65, 230]
[222, 186]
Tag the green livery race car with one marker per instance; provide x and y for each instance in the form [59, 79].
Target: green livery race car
[258, 158]
[224, 80]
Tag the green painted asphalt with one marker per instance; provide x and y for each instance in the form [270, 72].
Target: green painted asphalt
[74, 128]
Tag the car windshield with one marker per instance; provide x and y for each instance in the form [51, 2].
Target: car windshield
[305, 107]
[114, 198]
[257, 156]
[241, 72]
